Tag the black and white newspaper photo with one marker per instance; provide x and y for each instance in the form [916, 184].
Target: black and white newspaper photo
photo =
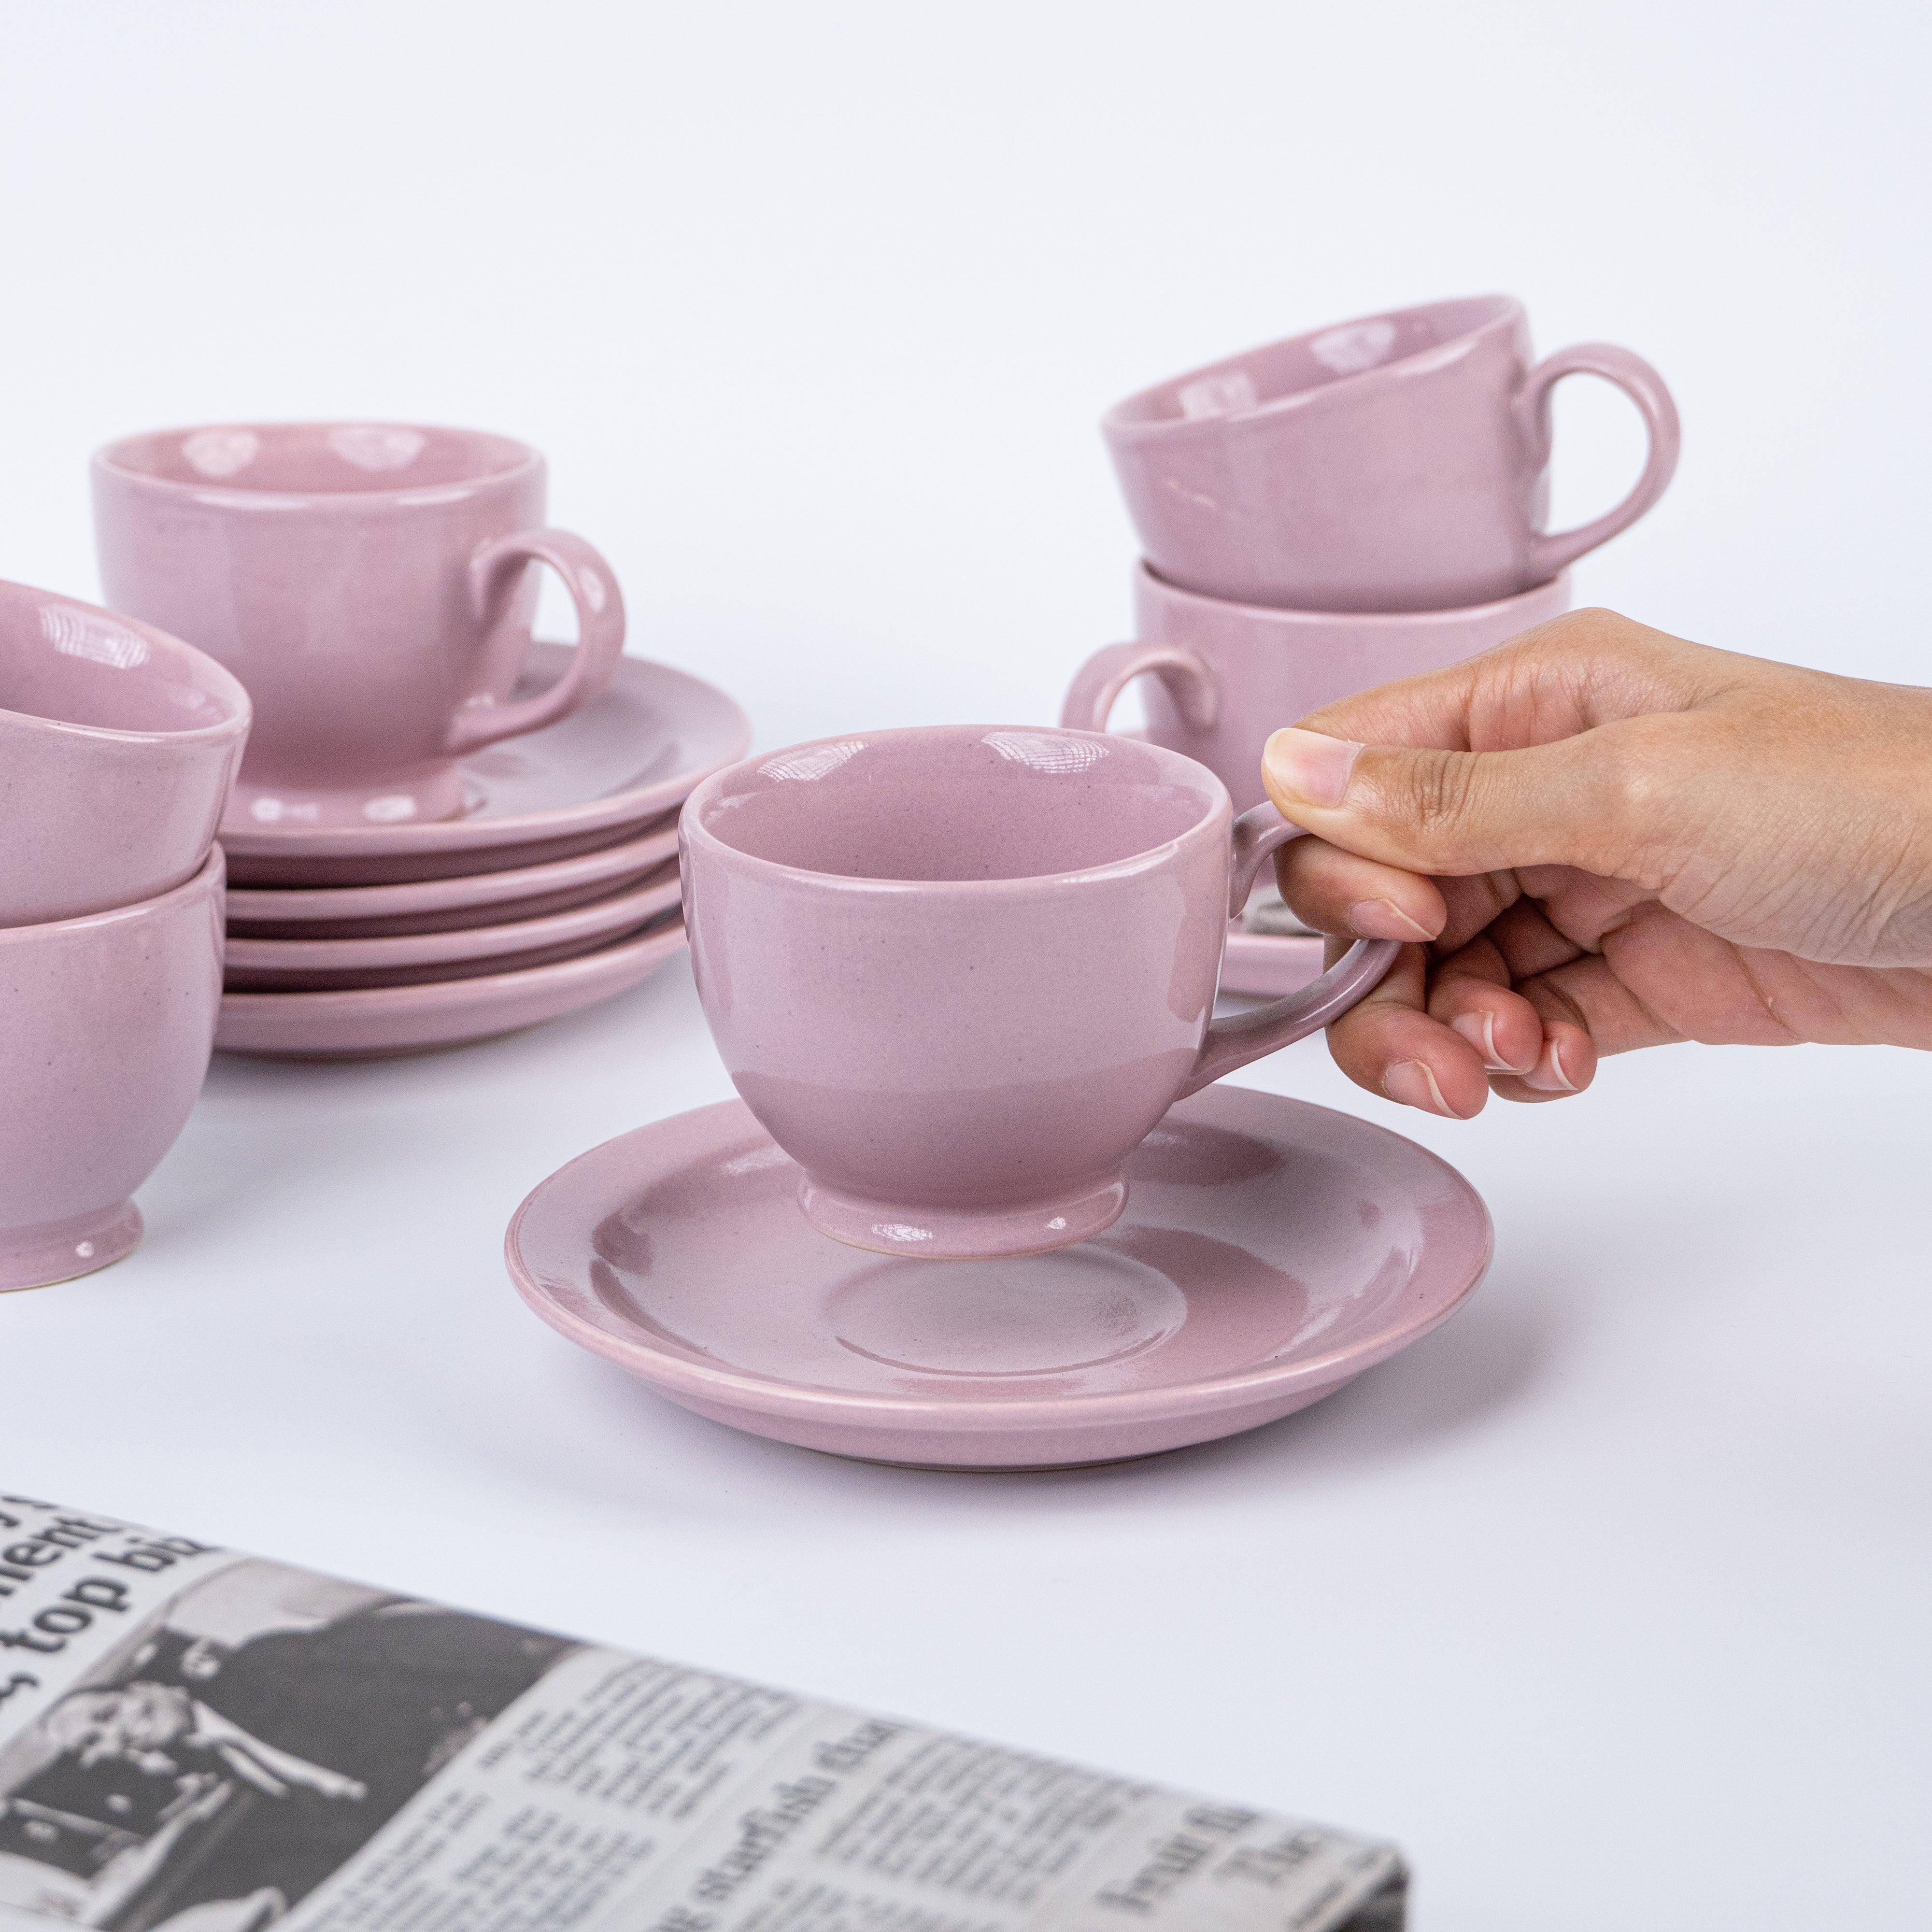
[193, 1740]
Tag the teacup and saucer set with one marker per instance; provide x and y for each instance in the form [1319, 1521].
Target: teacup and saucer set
[442, 829]
[961, 977]
[980, 1204]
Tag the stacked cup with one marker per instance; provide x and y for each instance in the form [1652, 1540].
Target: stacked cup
[118, 746]
[442, 830]
[1330, 512]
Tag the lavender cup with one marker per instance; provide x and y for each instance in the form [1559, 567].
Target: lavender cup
[1398, 462]
[106, 1024]
[960, 972]
[1223, 677]
[370, 583]
[118, 746]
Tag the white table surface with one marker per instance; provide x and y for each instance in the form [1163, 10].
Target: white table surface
[1610, 1600]
[1613, 1592]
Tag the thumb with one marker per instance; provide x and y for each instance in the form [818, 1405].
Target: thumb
[1451, 814]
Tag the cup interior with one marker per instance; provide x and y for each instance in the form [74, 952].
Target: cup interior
[72, 664]
[1248, 381]
[318, 459]
[960, 803]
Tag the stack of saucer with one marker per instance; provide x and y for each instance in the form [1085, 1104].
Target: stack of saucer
[441, 830]
[557, 887]
[1331, 512]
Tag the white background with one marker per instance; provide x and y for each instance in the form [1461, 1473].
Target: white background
[1609, 1600]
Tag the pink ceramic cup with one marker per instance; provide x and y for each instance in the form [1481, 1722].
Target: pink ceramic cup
[959, 973]
[1399, 462]
[370, 583]
[1224, 676]
[118, 746]
[106, 1024]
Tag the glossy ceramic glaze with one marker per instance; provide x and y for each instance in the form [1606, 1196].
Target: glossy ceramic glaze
[1271, 1252]
[448, 905]
[370, 584]
[596, 779]
[118, 746]
[105, 1026]
[959, 972]
[376, 1023]
[323, 965]
[1398, 462]
[1265, 965]
[1223, 677]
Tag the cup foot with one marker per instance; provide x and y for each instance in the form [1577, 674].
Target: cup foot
[58, 1251]
[962, 1233]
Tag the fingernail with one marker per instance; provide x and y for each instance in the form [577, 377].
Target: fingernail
[1383, 918]
[1309, 766]
[1411, 1083]
[1480, 1031]
[1547, 1075]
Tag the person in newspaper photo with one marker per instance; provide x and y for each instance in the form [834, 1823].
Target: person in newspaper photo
[252, 1738]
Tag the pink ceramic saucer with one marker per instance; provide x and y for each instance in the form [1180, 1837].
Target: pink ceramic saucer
[1270, 1251]
[1265, 965]
[587, 782]
[449, 905]
[1268, 951]
[321, 965]
[376, 1022]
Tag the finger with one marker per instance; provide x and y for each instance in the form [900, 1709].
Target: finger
[1566, 1066]
[1470, 993]
[1527, 944]
[1475, 904]
[1387, 1043]
[1587, 668]
[1334, 891]
[1674, 976]
[1588, 801]
[1580, 905]
[1591, 991]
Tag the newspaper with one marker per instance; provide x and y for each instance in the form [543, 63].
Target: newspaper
[194, 1740]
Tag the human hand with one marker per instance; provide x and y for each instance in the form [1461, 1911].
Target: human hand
[1600, 838]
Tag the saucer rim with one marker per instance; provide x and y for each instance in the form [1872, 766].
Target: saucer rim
[1265, 965]
[264, 905]
[482, 832]
[622, 910]
[626, 963]
[679, 1378]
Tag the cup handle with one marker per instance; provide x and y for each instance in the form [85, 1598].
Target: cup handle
[1098, 684]
[1549, 552]
[592, 586]
[1233, 1041]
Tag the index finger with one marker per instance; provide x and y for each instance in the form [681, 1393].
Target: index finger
[1589, 668]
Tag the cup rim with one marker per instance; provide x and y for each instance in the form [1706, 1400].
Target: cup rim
[1121, 424]
[109, 460]
[211, 675]
[209, 877]
[1215, 819]
[1148, 582]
